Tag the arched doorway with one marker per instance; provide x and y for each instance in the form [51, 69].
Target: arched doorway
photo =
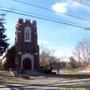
[27, 65]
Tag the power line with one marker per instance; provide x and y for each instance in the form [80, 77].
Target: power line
[40, 15]
[37, 6]
[43, 18]
[82, 3]
[30, 4]
[2, 16]
[37, 14]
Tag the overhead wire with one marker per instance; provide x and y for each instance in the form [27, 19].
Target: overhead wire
[82, 3]
[2, 17]
[37, 6]
[41, 15]
[43, 18]
[4, 14]
[31, 4]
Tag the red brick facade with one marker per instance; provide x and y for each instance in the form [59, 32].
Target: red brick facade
[27, 51]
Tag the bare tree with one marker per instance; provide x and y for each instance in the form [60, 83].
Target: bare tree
[73, 63]
[49, 61]
[46, 58]
[57, 64]
[82, 51]
[43, 58]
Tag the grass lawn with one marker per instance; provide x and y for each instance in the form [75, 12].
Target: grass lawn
[75, 72]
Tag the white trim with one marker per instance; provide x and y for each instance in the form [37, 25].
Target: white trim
[31, 57]
[19, 52]
[27, 34]
[36, 53]
[18, 31]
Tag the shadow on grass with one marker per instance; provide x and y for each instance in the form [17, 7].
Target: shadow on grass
[79, 76]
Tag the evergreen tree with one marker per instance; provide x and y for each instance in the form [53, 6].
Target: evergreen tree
[3, 38]
[10, 58]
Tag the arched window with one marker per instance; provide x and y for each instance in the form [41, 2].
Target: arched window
[27, 34]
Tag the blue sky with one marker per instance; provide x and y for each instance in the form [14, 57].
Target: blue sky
[54, 36]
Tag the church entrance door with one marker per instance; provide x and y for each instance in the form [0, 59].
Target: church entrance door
[27, 65]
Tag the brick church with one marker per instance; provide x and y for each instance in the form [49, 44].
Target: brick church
[27, 48]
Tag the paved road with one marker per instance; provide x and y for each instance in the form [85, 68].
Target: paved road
[50, 86]
[42, 82]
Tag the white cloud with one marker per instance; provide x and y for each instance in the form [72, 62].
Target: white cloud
[60, 51]
[63, 53]
[63, 7]
[75, 4]
[43, 42]
[60, 7]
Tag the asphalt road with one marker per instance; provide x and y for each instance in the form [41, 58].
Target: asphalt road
[61, 82]
[82, 84]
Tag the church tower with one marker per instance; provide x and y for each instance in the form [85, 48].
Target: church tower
[27, 48]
